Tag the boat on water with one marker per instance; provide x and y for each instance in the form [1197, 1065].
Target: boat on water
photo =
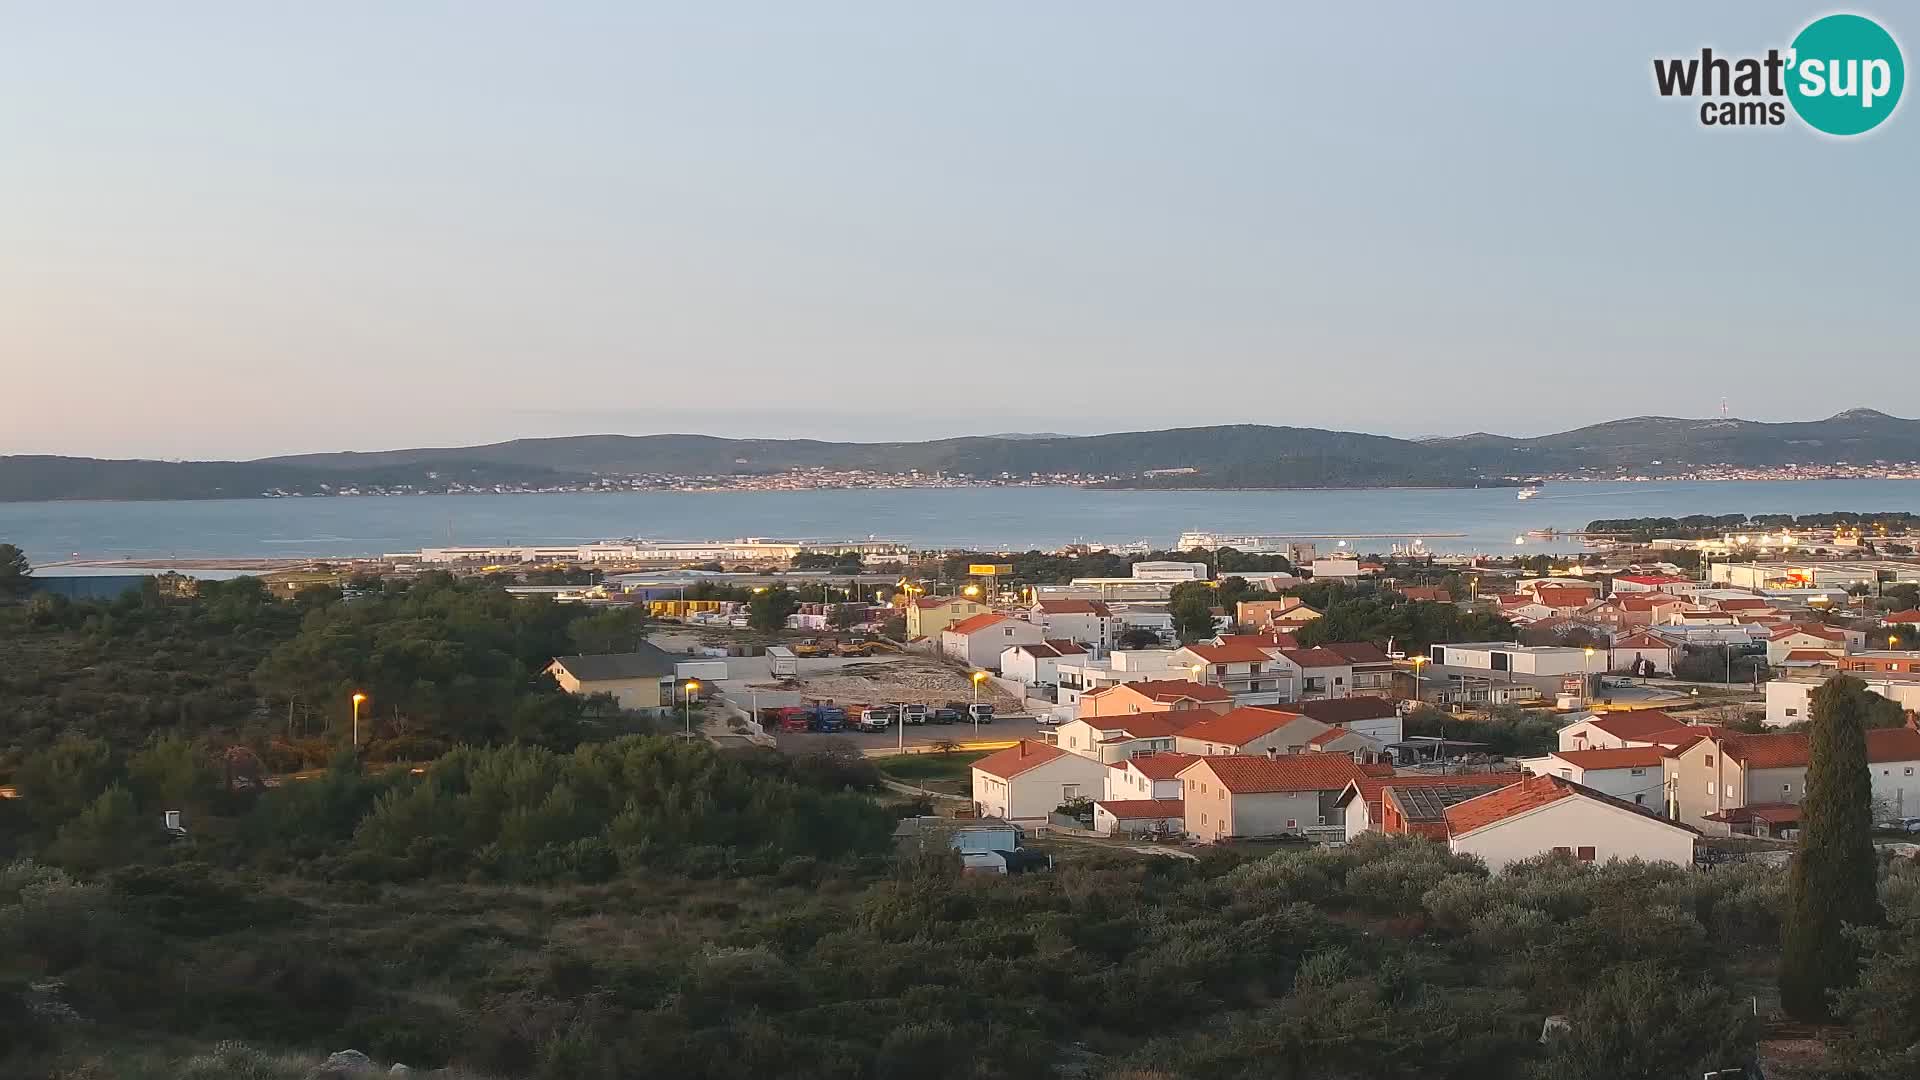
[1529, 491]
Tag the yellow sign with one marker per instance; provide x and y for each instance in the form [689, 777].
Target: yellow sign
[981, 569]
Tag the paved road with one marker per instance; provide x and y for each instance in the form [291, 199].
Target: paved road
[1002, 732]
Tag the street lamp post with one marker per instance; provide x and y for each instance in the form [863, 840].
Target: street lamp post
[686, 703]
[358, 699]
[1586, 677]
[978, 677]
[1419, 694]
[1196, 670]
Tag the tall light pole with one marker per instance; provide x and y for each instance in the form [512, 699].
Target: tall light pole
[686, 703]
[1586, 678]
[357, 699]
[1419, 695]
[978, 677]
[1196, 670]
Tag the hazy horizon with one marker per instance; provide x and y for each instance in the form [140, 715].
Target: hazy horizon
[235, 232]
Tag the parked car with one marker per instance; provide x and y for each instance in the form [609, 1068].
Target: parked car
[1905, 825]
[944, 715]
[913, 714]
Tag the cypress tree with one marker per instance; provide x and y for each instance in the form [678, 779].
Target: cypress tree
[1833, 880]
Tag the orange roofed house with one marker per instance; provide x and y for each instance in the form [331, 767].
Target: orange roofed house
[1026, 781]
[928, 615]
[1363, 807]
[978, 642]
[1242, 796]
[1153, 695]
[1552, 814]
[1712, 777]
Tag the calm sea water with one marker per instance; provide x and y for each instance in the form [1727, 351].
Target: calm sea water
[1488, 519]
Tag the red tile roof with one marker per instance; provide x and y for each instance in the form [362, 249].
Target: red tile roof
[1240, 726]
[1274, 640]
[1531, 794]
[1137, 809]
[1371, 787]
[1903, 617]
[1770, 813]
[1165, 690]
[1635, 724]
[1231, 654]
[1161, 765]
[976, 623]
[1432, 596]
[1819, 630]
[1644, 641]
[1559, 596]
[1315, 658]
[1018, 758]
[1631, 757]
[1249, 774]
[1149, 725]
[1789, 750]
[1075, 607]
[1812, 655]
[1358, 652]
[1346, 710]
[1065, 647]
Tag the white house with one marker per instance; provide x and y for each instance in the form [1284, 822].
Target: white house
[1375, 717]
[1081, 675]
[1807, 637]
[1089, 622]
[1790, 699]
[1253, 674]
[1642, 654]
[1611, 731]
[1635, 774]
[1146, 776]
[1519, 659]
[1250, 731]
[1026, 781]
[1038, 665]
[978, 642]
[1544, 814]
[1138, 816]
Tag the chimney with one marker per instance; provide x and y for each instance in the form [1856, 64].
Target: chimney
[1272, 753]
[1023, 748]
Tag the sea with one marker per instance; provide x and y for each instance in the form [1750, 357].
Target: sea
[1487, 520]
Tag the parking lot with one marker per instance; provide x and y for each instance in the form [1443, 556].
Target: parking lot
[922, 737]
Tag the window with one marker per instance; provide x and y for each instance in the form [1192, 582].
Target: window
[1793, 712]
[1562, 851]
[1567, 773]
[1786, 788]
[1069, 792]
[1586, 854]
[1323, 819]
[1640, 799]
[1709, 787]
[1636, 772]
[1292, 823]
[1203, 819]
[1709, 761]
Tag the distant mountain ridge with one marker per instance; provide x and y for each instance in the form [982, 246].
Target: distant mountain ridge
[1226, 456]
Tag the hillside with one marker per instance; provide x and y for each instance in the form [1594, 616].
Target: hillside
[1227, 456]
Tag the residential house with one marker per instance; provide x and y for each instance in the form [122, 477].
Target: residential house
[1242, 796]
[1790, 696]
[1084, 674]
[1804, 637]
[1521, 609]
[1152, 695]
[927, 616]
[1910, 617]
[1426, 595]
[1037, 665]
[1565, 600]
[1266, 639]
[1636, 774]
[1336, 568]
[1251, 730]
[1139, 817]
[1253, 674]
[1544, 814]
[1644, 653]
[1373, 670]
[1613, 730]
[1361, 802]
[1110, 739]
[1498, 656]
[1319, 673]
[1728, 770]
[1089, 622]
[1626, 611]
[1028, 780]
[1345, 741]
[1882, 662]
[641, 680]
[978, 642]
[1146, 776]
[1375, 717]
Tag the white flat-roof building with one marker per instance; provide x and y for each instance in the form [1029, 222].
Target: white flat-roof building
[1813, 573]
[1170, 571]
[1790, 699]
[1519, 659]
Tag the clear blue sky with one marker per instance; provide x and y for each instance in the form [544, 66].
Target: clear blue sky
[242, 228]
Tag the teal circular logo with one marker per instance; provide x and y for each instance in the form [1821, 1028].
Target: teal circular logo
[1845, 74]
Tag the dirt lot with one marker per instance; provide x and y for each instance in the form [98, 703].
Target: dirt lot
[900, 679]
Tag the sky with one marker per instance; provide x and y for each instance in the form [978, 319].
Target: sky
[236, 229]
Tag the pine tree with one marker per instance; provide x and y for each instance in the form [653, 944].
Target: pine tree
[1833, 880]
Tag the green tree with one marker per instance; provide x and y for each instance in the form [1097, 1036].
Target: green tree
[109, 832]
[170, 774]
[1192, 610]
[1647, 1020]
[614, 630]
[1137, 637]
[16, 574]
[769, 608]
[1832, 883]
[60, 780]
[844, 616]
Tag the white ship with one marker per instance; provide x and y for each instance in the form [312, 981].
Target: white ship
[1276, 545]
[1529, 491]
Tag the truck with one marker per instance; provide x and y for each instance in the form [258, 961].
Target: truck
[794, 718]
[781, 662]
[913, 714]
[980, 713]
[854, 648]
[876, 719]
[810, 647]
[829, 719]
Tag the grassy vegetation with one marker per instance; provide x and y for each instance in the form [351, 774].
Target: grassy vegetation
[915, 768]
